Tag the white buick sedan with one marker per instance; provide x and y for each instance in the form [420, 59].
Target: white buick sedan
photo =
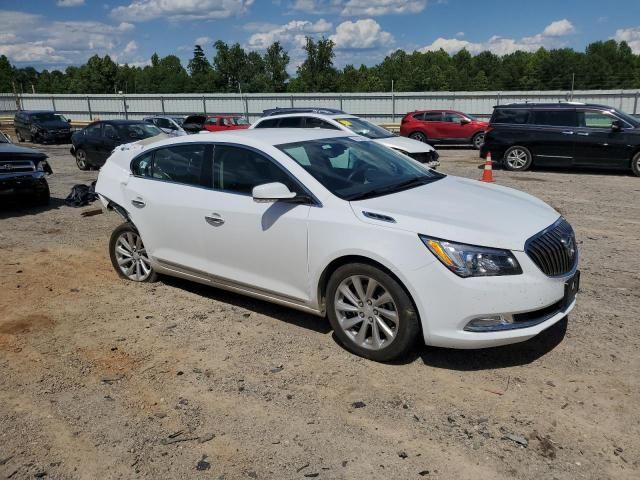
[340, 226]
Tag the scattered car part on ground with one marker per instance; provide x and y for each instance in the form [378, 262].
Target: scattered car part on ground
[292, 212]
[41, 126]
[443, 127]
[563, 135]
[23, 173]
[93, 144]
[331, 119]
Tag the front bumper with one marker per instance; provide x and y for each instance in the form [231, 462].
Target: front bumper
[22, 185]
[447, 303]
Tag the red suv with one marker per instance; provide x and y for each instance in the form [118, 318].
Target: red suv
[221, 123]
[443, 126]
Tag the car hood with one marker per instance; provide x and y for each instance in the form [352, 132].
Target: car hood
[11, 150]
[407, 144]
[53, 124]
[465, 211]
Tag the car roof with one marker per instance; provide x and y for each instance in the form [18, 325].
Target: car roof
[553, 106]
[30, 112]
[309, 114]
[121, 122]
[260, 139]
[439, 110]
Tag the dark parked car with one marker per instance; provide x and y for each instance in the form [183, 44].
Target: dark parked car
[563, 135]
[93, 144]
[23, 173]
[443, 126]
[41, 127]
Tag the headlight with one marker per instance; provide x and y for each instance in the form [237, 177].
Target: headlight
[471, 261]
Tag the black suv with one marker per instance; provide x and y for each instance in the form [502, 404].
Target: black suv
[41, 126]
[563, 135]
[23, 173]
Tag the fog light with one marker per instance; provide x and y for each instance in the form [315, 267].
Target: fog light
[489, 323]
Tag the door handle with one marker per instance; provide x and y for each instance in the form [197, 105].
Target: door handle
[568, 132]
[214, 219]
[583, 134]
[138, 203]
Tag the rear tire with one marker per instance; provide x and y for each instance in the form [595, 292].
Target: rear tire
[477, 140]
[129, 256]
[517, 159]
[371, 314]
[419, 136]
[635, 164]
[81, 159]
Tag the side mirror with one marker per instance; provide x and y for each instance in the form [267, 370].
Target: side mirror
[465, 121]
[272, 192]
[617, 125]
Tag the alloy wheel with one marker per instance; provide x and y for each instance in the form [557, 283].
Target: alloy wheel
[366, 312]
[517, 158]
[81, 159]
[131, 256]
[478, 140]
[421, 137]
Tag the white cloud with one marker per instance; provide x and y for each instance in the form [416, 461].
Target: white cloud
[37, 40]
[181, 10]
[203, 41]
[290, 34]
[69, 3]
[559, 28]
[360, 8]
[365, 33]
[631, 36]
[131, 47]
[550, 37]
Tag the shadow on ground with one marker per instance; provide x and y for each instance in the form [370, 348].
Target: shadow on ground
[13, 208]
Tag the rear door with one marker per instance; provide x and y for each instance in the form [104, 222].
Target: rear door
[597, 144]
[432, 124]
[166, 199]
[552, 136]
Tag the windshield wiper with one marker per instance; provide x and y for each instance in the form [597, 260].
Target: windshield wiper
[407, 184]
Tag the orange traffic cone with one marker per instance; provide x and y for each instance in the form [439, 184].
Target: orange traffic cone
[487, 173]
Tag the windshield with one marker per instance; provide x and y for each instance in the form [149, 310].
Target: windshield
[44, 117]
[138, 131]
[178, 120]
[355, 168]
[627, 118]
[364, 128]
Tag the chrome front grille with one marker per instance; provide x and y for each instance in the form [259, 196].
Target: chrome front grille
[16, 166]
[554, 250]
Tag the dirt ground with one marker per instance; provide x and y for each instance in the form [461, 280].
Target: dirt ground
[103, 378]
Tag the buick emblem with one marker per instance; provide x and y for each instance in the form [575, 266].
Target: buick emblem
[569, 243]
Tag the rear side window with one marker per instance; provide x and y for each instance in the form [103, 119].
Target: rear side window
[555, 118]
[313, 122]
[290, 122]
[508, 115]
[270, 123]
[431, 117]
[180, 163]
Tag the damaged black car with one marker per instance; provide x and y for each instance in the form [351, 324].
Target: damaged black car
[23, 174]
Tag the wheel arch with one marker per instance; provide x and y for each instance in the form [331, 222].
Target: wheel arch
[338, 262]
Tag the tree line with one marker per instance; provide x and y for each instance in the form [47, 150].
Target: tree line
[603, 65]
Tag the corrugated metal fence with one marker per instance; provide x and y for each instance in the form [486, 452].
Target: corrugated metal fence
[379, 107]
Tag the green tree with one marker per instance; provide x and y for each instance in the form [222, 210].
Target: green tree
[276, 60]
[317, 73]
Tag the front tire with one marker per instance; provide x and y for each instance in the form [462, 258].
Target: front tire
[635, 164]
[81, 159]
[517, 159]
[371, 314]
[419, 136]
[129, 256]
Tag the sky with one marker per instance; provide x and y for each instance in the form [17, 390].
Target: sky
[59, 33]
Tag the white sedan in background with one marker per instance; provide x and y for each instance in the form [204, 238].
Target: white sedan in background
[337, 225]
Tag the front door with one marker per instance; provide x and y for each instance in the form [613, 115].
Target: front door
[260, 245]
[597, 144]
